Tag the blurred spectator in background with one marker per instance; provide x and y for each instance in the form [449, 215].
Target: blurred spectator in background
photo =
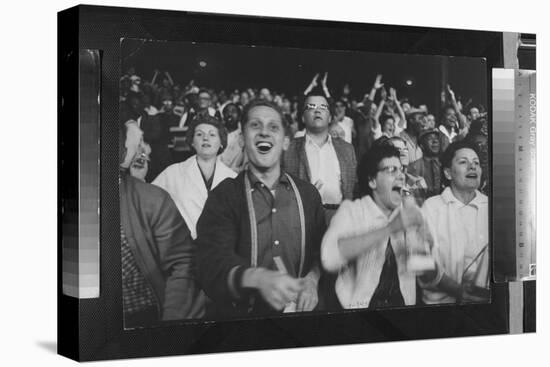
[416, 122]
[416, 185]
[233, 155]
[344, 121]
[429, 166]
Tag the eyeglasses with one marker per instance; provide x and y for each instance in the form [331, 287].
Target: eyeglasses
[392, 170]
[314, 106]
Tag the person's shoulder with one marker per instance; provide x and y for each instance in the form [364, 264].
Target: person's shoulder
[225, 170]
[229, 185]
[173, 170]
[295, 142]
[434, 202]
[343, 145]
[481, 199]
[146, 191]
[303, 185]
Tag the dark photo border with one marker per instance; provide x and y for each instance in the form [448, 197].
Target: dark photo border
[92, 329]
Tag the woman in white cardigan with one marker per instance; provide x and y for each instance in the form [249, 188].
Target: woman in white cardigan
[189, 182]
[460, 217]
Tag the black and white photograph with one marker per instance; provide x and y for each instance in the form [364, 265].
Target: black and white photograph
[267, 181]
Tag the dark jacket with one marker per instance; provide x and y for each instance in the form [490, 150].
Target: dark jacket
[295, 162]
[162, 247]
[224, 241]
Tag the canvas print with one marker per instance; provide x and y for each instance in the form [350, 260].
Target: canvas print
[266, 182]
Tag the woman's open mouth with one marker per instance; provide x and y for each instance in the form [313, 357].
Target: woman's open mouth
[399, 189]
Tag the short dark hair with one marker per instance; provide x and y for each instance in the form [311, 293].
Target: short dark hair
[207, 119]
[263, 103]
[234, 105]
[368, 166]
[449, 153]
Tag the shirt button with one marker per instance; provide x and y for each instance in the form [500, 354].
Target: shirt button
[274, 210]
[276, 242]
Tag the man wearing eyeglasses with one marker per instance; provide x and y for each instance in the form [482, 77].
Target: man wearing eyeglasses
[370, 241]
[328, 163]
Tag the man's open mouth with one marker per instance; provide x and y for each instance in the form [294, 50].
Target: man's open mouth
[206, 145]
[472, 175]
[264, 146]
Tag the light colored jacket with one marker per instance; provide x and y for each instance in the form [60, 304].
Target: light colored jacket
[185, 184]
[358, 279]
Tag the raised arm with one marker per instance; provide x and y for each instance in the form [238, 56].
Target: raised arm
[376, 125]
[402, 119]
[311, 85]
[462, 120]
[325, 86]
[169, 78]
[155, 75]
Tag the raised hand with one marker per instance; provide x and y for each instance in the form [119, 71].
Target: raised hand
[377, 82]
[451, 93]
[314, 80]
[409, 216]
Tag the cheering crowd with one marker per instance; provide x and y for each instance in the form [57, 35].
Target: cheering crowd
[255, 202]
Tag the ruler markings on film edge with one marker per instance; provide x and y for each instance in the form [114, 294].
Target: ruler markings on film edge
[525, 173]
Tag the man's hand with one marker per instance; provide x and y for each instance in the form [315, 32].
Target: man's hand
[314, 83]
[275, 288]
[308, 298]
[377, 82]
[451, 93]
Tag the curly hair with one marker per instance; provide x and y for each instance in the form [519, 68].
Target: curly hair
[207, 119]
[368, 166]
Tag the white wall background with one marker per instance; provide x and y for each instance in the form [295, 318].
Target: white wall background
[28, 184]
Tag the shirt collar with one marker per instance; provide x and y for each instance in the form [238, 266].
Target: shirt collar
[309, 140]
[256, 182]
[479, 200]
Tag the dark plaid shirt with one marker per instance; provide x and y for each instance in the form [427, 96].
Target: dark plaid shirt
[137, 295]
